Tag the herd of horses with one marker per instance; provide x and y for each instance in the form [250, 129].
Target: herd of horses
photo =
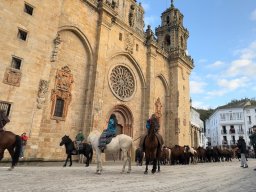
[188, 155]
[152, 152]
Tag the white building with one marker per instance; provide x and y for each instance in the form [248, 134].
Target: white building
[227, 123]
[197, 130]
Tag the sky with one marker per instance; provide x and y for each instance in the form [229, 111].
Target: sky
[222, 43]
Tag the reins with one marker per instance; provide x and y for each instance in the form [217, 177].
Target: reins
[136, 138]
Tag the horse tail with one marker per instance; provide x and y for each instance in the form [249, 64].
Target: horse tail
[91, 152]
[17, 150]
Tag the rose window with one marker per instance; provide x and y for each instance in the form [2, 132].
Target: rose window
[122, 82]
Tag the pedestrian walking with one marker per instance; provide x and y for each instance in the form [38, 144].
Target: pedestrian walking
[24, 139]
[253, 140]
[242, 147]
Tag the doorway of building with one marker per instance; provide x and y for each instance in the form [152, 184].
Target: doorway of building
[125, 123]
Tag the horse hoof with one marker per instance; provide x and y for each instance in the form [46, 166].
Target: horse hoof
[86, 165]
[70, 165]
[145, 172]
[153, 171]
[64, 165]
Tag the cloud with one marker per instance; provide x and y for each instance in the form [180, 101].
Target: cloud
[216, 93]
[216, 64]
[253, 15]
[199, 105]
[197, 87]
[231, 85]
[245, 64]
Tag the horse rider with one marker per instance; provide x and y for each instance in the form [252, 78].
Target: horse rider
[154, 120]
[3, 120]
[79, 138]
[109, 132]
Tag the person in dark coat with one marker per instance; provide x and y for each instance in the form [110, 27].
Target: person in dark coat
[253, 140]
[3, 120]
[242, 147]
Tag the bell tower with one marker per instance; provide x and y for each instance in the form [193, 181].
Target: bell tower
[171, 34]
[172, 38]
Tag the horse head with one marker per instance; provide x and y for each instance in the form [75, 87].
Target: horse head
[65, 140]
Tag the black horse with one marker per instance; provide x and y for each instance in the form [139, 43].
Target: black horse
[86, 150]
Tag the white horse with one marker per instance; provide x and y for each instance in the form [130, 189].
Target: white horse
[123, 142]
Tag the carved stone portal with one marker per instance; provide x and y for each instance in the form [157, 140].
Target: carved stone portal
[122, 82]
[12, 77]
[63, 82]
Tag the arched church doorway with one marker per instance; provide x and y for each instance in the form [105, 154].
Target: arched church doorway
[125, 123]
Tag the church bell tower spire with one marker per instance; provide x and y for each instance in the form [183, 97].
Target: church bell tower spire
[172, 35]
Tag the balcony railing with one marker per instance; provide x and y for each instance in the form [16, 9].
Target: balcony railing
[224, 142]
[223, 132]
[240, 131]
[232, 131]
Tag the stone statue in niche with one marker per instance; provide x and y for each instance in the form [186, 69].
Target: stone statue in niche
[12, 77]
[132, 15]
[158, 109]
[43, 89]
[129, 43]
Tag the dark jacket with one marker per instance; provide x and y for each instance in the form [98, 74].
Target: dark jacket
[241, 145]
[253, 139]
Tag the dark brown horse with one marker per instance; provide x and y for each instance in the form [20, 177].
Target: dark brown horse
[12, 143]
[152, 147]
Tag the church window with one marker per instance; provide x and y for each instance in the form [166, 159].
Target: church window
[181, 42]
[122, 82]
[167, 19]
[120, 36]
[28, 9]
[16, 63]
[167, 40]
[5, 106]
[22, 34]
[59, 106]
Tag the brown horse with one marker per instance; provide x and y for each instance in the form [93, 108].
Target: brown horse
[152, 148]
[12, 143]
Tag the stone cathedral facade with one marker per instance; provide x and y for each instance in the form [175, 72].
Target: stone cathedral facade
[66, 65]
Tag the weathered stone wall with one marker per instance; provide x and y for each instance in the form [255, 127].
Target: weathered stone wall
[89, 40]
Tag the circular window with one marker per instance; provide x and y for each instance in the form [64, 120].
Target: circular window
[122, 82]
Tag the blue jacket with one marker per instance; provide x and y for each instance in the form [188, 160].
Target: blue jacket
[111, 129]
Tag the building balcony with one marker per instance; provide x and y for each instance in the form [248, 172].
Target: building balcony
[224, 142]
[223, 132]
[240, 131]
[232, 131]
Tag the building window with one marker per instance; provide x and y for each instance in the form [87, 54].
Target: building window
[168, 40]
[137, 47]
[59, 106]
[232, 129]
[167, 19]
[16, 63]
[120, 36]
[5, 106]
[28, 9]
[224, 130]
[22, 34]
